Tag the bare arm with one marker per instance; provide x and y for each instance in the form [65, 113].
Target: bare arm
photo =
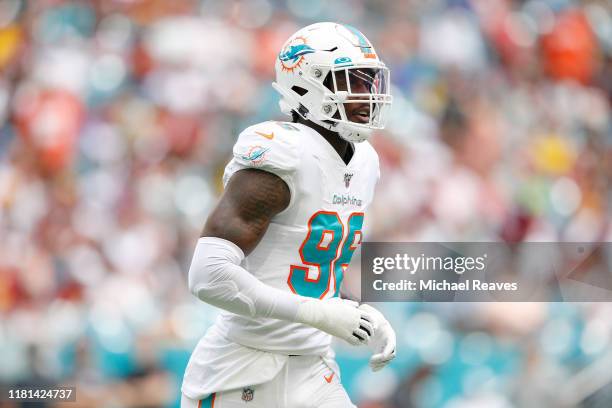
[251, 198]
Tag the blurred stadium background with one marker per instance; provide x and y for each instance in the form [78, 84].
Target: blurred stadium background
[117, 117]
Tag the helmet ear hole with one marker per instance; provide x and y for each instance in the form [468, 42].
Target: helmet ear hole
[299, 90]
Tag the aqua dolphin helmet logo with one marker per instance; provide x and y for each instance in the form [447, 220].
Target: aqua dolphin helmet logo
[292, 55]
[294, 52]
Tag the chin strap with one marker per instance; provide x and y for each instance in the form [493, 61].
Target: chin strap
[356, 136]
[326, 125]
[345, 131]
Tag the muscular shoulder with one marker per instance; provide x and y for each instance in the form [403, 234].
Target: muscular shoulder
[269, 145]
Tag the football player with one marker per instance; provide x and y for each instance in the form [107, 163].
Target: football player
[275, 249]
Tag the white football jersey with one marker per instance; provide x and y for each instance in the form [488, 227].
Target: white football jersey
[306, 250]
[309, 245]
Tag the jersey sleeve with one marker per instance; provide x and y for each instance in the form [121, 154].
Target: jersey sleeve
[377, 164]
[269, 147]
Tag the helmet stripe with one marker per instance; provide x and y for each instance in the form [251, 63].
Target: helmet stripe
[366, 47]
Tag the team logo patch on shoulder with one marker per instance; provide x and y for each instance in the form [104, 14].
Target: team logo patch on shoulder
[247, 394]
[256, 154]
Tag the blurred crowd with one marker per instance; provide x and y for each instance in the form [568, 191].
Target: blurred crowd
[118, 116]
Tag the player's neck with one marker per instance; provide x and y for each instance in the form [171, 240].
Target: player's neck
[341, 146]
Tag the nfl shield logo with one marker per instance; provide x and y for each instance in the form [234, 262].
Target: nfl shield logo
[347, 179]
[247, 394]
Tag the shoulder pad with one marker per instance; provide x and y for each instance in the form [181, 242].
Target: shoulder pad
[372, 152]
[269, 145]
[372, 157]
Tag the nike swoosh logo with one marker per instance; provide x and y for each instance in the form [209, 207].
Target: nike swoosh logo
[269, 136]
[329, 378]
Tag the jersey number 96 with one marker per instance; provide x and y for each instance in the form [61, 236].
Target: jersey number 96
[326, 251]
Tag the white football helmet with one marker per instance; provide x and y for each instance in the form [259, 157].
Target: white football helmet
[324, 66]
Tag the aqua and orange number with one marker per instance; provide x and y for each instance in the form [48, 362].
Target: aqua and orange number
[327, 249]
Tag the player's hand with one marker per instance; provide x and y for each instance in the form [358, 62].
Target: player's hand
[339, 317]
[383, 340]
